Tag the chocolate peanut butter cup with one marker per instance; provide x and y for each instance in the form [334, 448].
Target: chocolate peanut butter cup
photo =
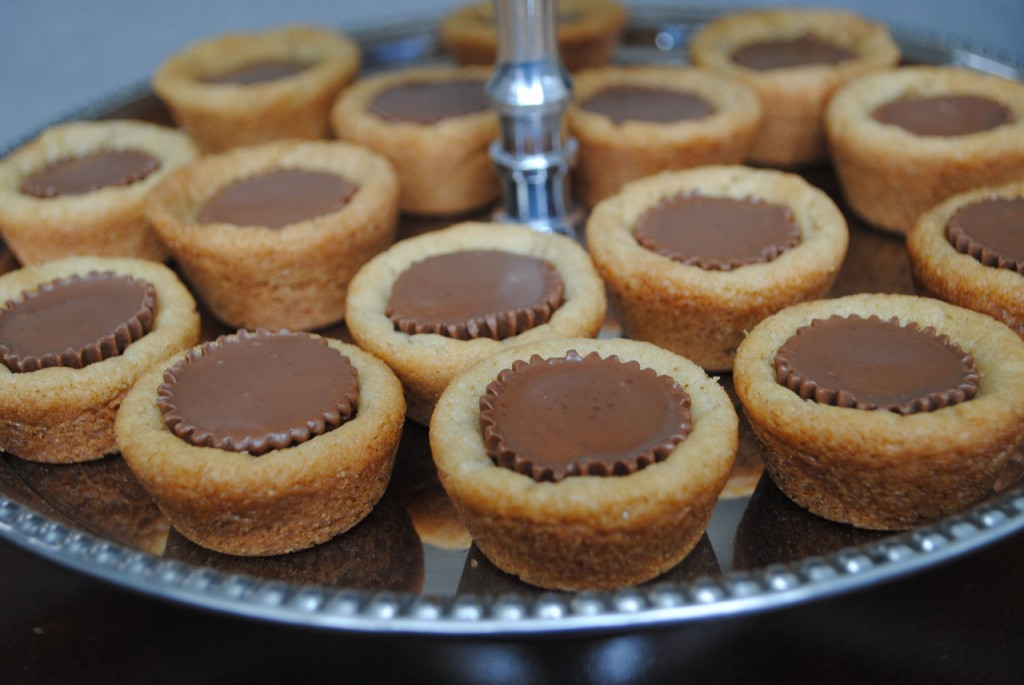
[258, 392]
[88, 173]
[717, 233]
[991, 231]
[475, 294]
[782, 53]
[868, 363]
[430, 102]
[259, 72]
[622, 103]
[582, 415]
[944, 115]
[278, 198]
[75, 321]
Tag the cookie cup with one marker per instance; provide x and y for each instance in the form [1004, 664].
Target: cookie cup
[612, 154]
[282, 501]
[63, 415]
[942, 271]
[443, 168]
[794, 98]
[106, 222]
[585, 532]
[586, 36]
[890, 176]
[426, 362]
[292, 277]
[878, 469]
[704, 314]
[221, 116]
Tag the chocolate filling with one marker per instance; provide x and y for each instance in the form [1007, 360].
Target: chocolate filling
[717, 233]
[991, 231]
[875, 364]
[640, 103]
[475, 294]
[944, 115]
[257, 73]
[430, 102]
[258, 392]
[75, 321]
[81, 175]
[781, 53]
[278, 198]
[577, 416]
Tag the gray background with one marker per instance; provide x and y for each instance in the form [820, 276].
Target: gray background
[58, 55]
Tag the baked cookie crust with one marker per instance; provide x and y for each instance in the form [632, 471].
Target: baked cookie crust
[222, 116]
[293, 277]
[426, 362]
[702, 314]
[891, 176]
[586, 532]
[283, 501]
[878, 469]
[65, 415]
[611, 155]
[443, 168]
[794, 98]
[107, 222]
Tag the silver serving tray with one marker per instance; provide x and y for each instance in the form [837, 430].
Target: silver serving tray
[760, 552]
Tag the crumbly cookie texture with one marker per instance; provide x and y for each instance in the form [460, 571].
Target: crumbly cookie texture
[65, 415]
[891, 176]
[443, 168]
[794, 99]
[611, 155]
[700, 314]
[940, 270]
[426, 362]
[878, 469]
[293, 277]
[283, 501]
[107, 222]
[585, 532]
[220, 116]
[586, 37]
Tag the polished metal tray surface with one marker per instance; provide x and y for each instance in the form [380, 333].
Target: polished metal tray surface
[409, 568]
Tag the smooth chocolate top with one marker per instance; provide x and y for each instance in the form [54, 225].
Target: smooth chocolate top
[257, 73]
[991, 231]
[875, 364]
[717, 233]
[575, 415]
[75, 321]
[431, 101]
[944, 115]
[278, 198]
[475, 294]
[780, 53]
[85, 174]
[258, 392]
[641, 103]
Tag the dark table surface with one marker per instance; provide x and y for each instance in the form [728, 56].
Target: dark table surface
[961, 622]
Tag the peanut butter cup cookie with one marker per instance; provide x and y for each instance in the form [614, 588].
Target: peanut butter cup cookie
[794, 59]
[588, 31]
[270, 235]
[264, 443]
[694, 259]
[244, 89]
[905, 139]
[883, 411]
[969, 250]
[78, 189]
[435, 126]
[581, 464]
[435, 304]
[634, 122]
[75, 334]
